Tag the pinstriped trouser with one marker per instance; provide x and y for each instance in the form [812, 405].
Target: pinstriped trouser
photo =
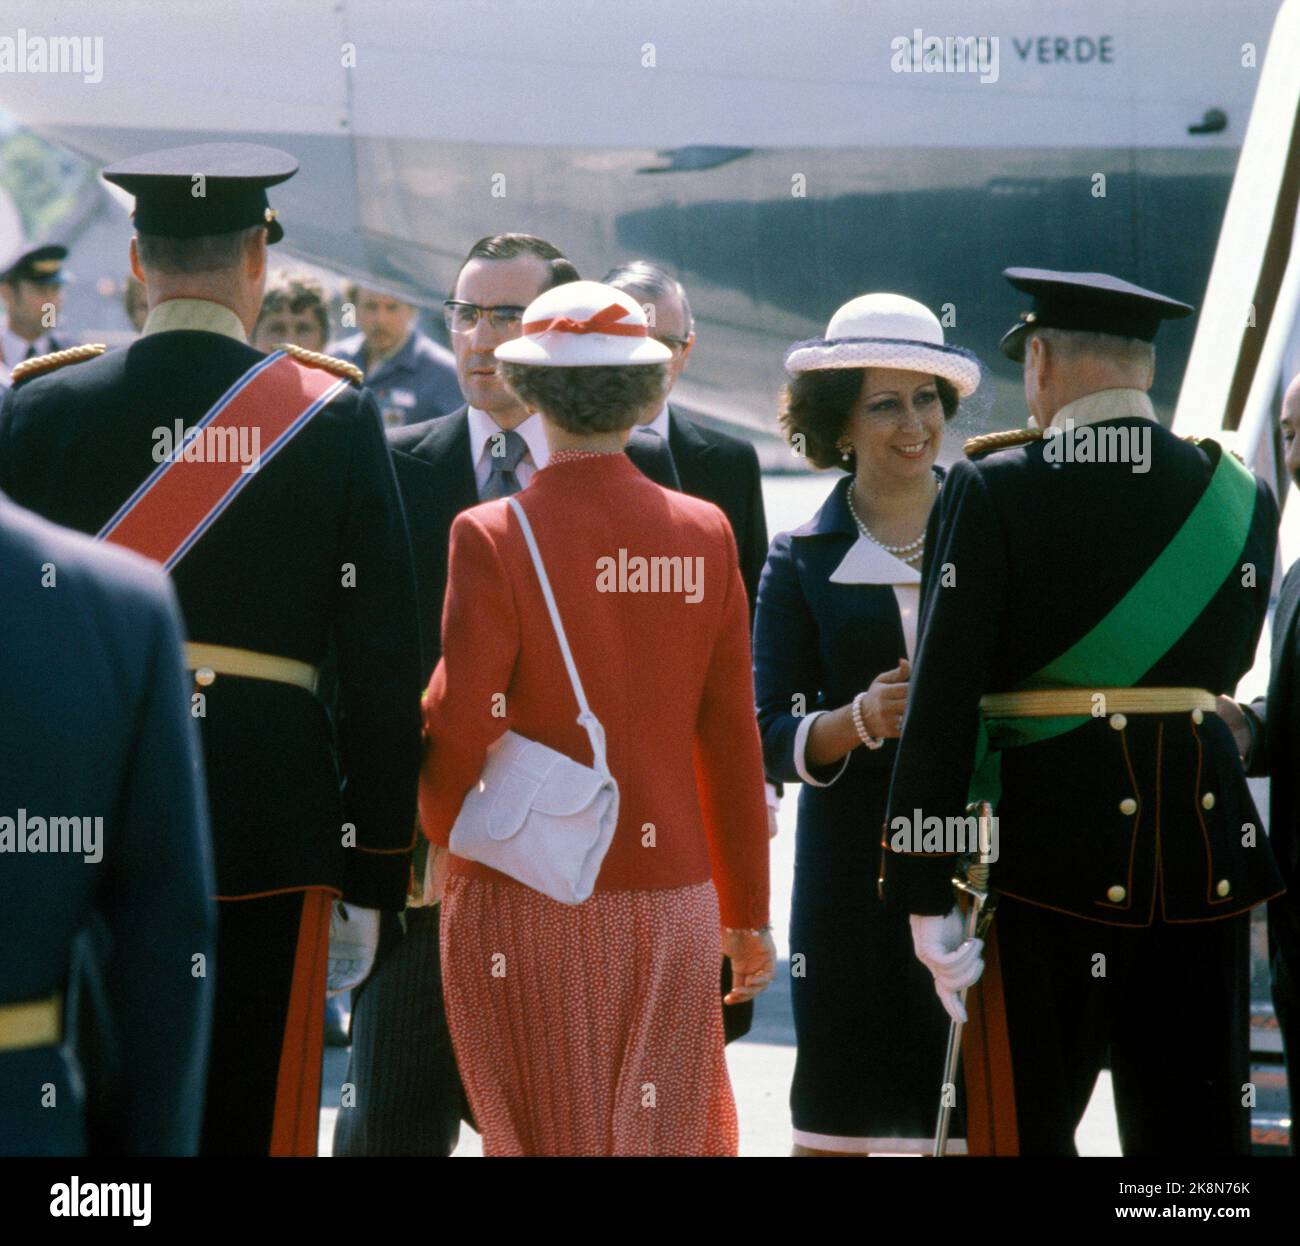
[409, 1099]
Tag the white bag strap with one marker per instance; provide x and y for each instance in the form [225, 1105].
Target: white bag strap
[595, 731]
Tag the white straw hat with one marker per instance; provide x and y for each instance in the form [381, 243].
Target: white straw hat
[584, 324]
[887, 331]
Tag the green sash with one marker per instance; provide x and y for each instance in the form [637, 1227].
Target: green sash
[1144, 625]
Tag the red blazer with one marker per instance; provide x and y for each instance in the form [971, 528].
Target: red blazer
[670, 678]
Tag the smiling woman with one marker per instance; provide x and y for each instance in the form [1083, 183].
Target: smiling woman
[833, 635]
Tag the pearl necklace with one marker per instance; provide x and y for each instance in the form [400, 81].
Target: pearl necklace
[567, 456]
[905, 553]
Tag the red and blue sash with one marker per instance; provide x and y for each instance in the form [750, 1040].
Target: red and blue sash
[183, 497]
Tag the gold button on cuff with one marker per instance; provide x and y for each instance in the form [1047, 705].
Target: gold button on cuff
[1198, 717]
[1116, 894]
[1118, 721]
[1222, 887]
[1207, 801]
[204, 676]
[1128, 806]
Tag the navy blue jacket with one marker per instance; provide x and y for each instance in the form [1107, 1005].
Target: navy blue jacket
[1041, 551]
[824, 642]
[415, 384]
[94, 724]
[310, 561]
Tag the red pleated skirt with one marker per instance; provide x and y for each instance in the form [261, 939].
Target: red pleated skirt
[590, 1029]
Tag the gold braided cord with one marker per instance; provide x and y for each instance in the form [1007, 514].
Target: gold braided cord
[1001, 441]
[55, 359]
[314, 359]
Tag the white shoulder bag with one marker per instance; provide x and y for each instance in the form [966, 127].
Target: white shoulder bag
[536, 814]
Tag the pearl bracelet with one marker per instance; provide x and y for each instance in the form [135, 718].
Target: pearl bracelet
[860, 725]
[762, 930]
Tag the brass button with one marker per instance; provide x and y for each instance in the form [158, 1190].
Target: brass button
[1207, 801]
[1116, 894]
[1198, 717]
[1222, 887]
[1128, 806]
[204, 676]
[1118, 721]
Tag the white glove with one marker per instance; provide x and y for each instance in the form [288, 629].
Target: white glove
[954, 960]
[354, 940]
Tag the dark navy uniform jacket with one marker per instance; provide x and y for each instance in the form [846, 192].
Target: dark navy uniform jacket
[94, 724]
[415, 384]
[270, 575]
[1042, 552]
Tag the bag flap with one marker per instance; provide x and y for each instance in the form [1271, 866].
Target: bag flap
[522, 775]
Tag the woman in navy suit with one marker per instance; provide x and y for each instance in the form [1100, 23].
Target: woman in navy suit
[835, 627]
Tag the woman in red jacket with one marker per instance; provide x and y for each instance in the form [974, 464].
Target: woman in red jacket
[596, 1029]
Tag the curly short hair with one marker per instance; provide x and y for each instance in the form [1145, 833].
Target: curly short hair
[816, 407]
[588, 400]
[296, 292]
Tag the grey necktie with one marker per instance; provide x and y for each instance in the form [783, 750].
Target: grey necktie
[505, 449]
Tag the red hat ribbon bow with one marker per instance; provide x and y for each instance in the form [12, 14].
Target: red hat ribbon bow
[604, 321]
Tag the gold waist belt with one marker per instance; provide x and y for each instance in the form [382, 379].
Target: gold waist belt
[209, 661]
[35, 1024]
[1070, 702]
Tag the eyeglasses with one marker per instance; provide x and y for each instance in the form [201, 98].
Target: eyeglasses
[463, 317]
[667, 339]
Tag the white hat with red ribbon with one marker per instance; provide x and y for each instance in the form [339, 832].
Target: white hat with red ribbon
[584, 324]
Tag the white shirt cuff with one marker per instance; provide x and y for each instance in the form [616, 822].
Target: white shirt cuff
[800, 753]
[773, 799]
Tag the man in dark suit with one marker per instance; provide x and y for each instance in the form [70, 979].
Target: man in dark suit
[1267, 732]
[94, 737]
[309, 558]
[714, 466]
[1084, 650]
[409, 1099]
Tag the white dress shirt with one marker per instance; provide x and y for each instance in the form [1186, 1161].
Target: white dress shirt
[202, 315]
[14, 349]
[481, 428]
[660, 423]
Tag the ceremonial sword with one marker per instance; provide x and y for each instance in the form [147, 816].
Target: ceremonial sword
[973, 880]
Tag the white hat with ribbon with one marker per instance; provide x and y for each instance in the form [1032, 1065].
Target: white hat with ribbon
[887, 331]
[584, 324]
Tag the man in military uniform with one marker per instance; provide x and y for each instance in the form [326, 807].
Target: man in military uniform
[94, 732]
[31, 288]
[280, 557]
[412, 376]
[1090, 584]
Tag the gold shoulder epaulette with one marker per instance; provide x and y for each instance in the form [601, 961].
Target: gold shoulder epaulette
[314, 359]
[56, 359]
[1001, 441]
[1196, 441]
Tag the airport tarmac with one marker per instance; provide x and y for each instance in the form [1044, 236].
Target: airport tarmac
[762, 1063]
